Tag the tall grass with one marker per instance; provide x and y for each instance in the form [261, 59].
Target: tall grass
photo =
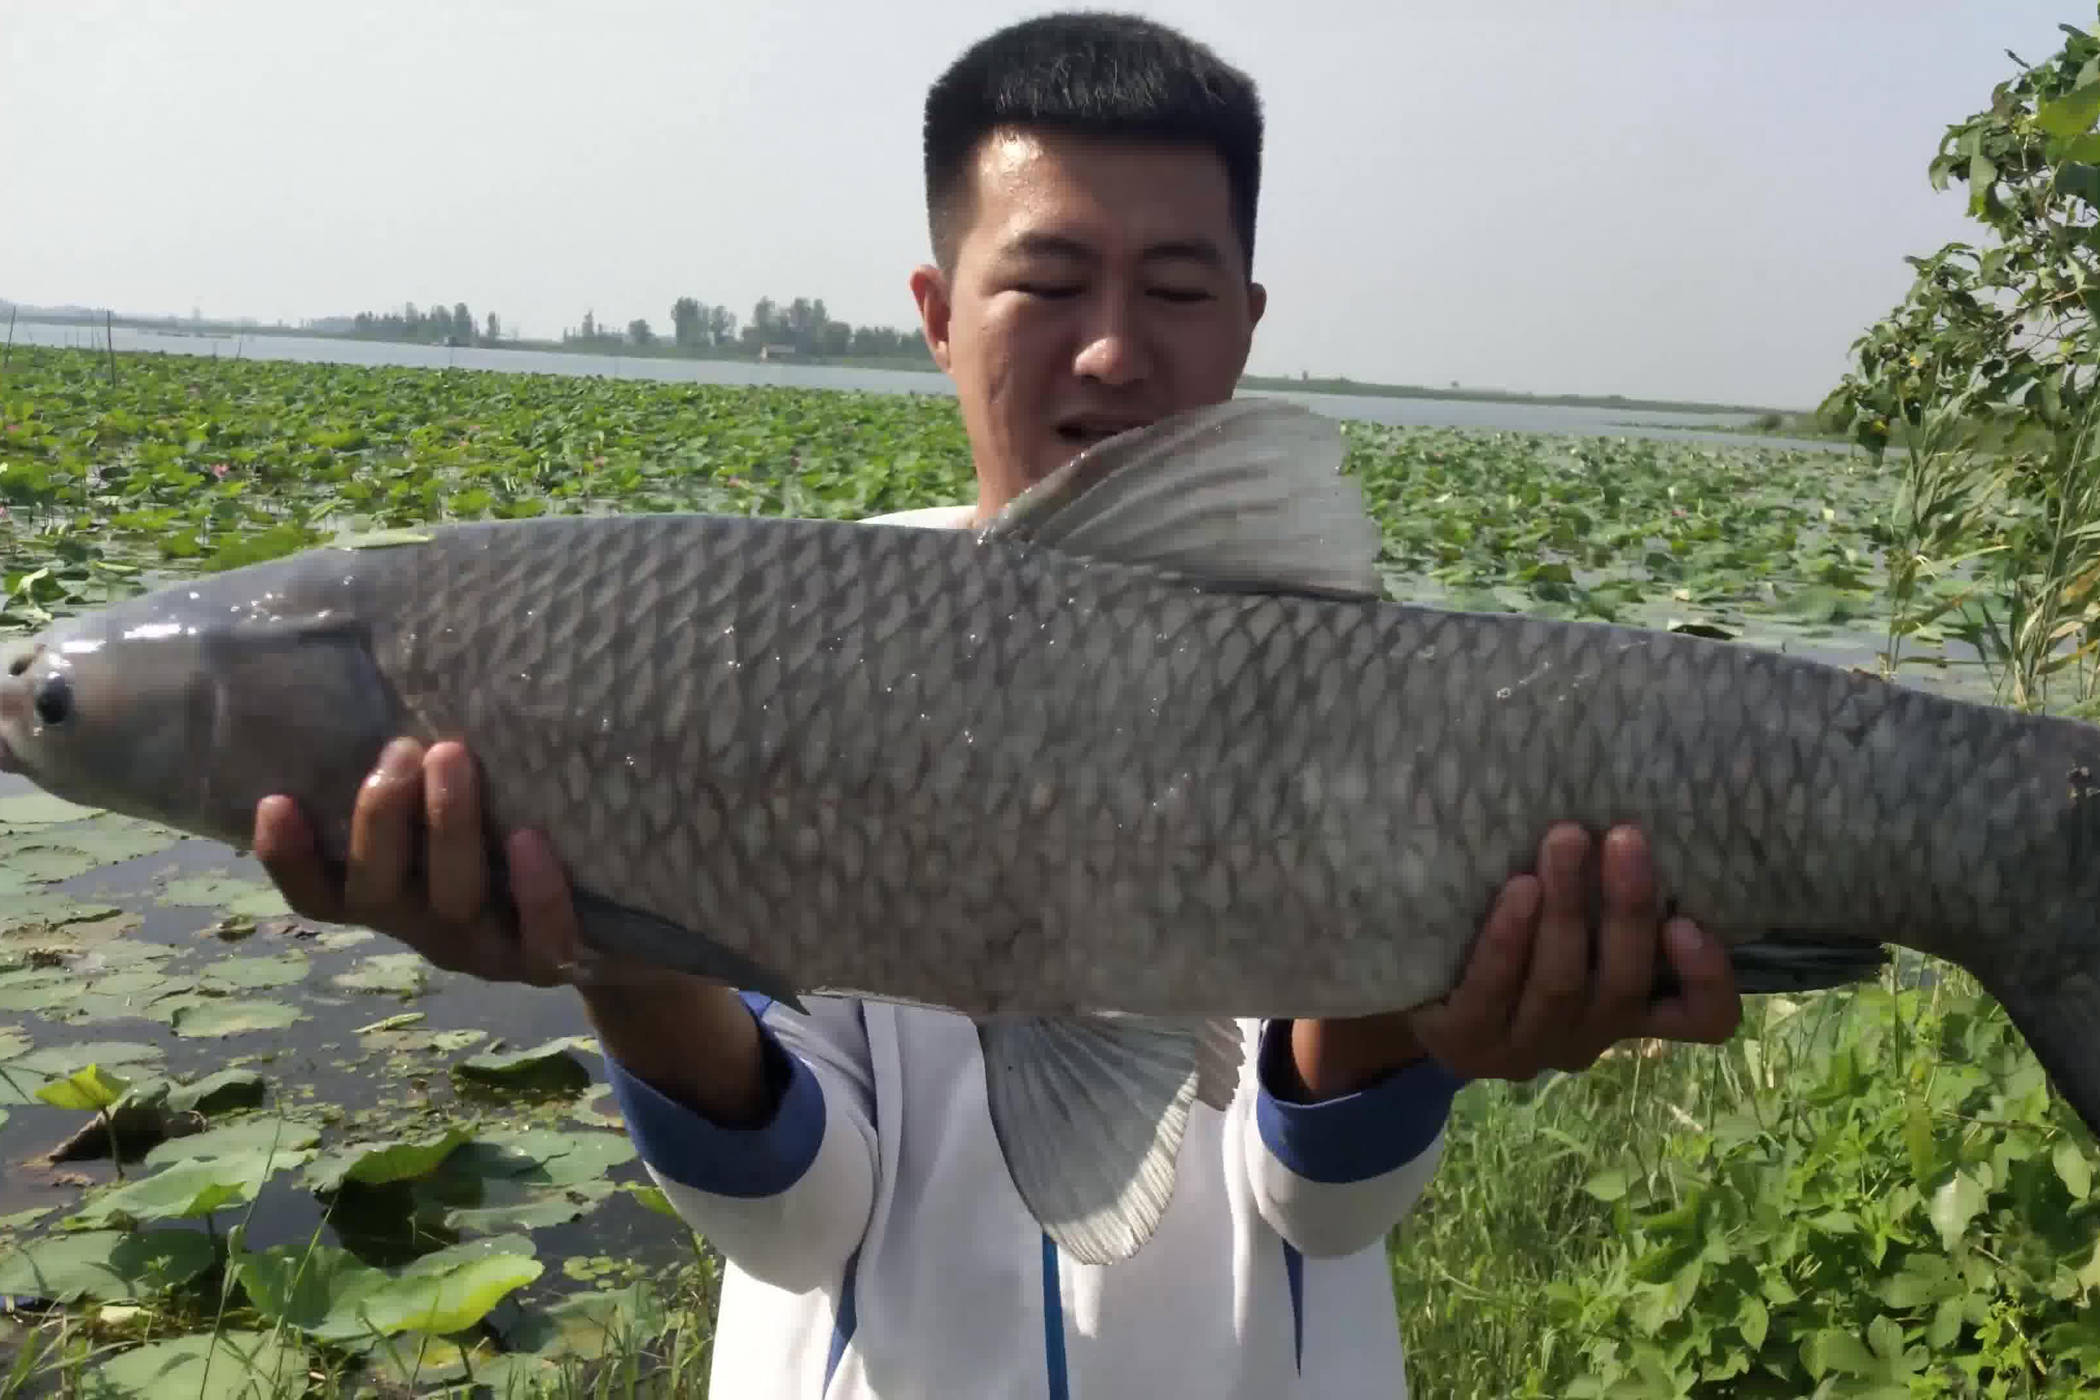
[1869, 1191]
[1506, 1213]
[1994, 540]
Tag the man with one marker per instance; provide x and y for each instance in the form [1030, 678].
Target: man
[1091, 192]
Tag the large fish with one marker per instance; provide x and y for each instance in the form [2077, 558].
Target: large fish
[1148, 753]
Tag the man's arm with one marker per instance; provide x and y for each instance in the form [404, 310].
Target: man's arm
[784, 1189]
[766, 1150]
[1350, 1113]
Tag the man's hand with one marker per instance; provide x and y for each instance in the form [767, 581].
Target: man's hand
[689, 1037]
[447, 916]
[1531, 999]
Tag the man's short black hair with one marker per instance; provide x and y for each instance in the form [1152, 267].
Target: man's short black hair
[1094, 74]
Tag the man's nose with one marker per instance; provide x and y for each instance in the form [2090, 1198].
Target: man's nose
[1113, 350]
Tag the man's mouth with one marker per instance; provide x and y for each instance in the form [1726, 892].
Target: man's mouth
[1082, 433]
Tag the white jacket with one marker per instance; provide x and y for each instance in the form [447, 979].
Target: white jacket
[875, 1246]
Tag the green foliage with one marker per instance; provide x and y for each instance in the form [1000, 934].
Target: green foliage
[259, 1133]
[1986, 373]
[594, 1324]
[217, 1018]
[106, 1265]
[550, 1067]
[1636, 530]
[402, 974]
[228, 1088]
[189, 1189]
[22, 1076]
[89, 1087]
[328, 1295]
[227, 1365]
[1871, 1191]
[1914, 1216]
[188, 464]
[374, 1164]
[2003, 330]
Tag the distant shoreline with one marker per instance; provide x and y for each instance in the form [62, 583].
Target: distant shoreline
[1341, 386]
[1355, 388]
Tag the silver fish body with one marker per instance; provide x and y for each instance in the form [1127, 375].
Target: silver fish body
[1003, 776]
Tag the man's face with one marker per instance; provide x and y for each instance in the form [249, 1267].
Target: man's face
[1097, 286]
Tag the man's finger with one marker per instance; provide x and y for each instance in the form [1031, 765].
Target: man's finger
[1626, 944]
[547, 931]
[1709, 1009]
[1554, 993]
[284, 844]
[457, 869]
[1475, 1016]
[381, 828]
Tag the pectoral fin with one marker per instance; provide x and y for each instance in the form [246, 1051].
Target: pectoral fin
[1780, 962]
[1090, 1114]
[631, 933]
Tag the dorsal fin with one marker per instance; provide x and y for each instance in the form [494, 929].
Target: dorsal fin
[1246, 492]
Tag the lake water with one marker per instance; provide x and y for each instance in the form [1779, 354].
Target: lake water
[1396, 412]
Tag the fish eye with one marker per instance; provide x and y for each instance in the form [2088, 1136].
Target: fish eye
[54, 700]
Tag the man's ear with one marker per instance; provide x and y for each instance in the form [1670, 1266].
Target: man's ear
[929, 288]
[1257, 302]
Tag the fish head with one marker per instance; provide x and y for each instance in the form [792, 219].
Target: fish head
[108, 713]
[189, 705]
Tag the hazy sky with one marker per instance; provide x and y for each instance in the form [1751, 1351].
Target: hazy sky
[1684, 199]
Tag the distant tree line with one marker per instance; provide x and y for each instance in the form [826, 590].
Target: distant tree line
[437, 326]
[801, 327]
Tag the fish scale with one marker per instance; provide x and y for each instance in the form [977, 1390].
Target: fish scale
[1148, 754]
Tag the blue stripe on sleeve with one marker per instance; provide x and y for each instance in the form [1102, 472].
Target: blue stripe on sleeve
[1294, 1275]
[1053, 1323]
[847, 1321]
[1356, 1136]
[764, 1160]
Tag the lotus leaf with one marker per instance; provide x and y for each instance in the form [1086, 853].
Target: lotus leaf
[187, 1189]
[591, 1325]
[252, 973]
[373, 1164]
[111, 1265]
[229, 894]
[24, 1074]
[40, 809]
[267, 1135]
[89, 1087]
[211, 1017]
[401, 973]
[227, 1365]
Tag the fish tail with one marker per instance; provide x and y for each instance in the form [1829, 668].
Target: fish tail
[2055, 1003]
